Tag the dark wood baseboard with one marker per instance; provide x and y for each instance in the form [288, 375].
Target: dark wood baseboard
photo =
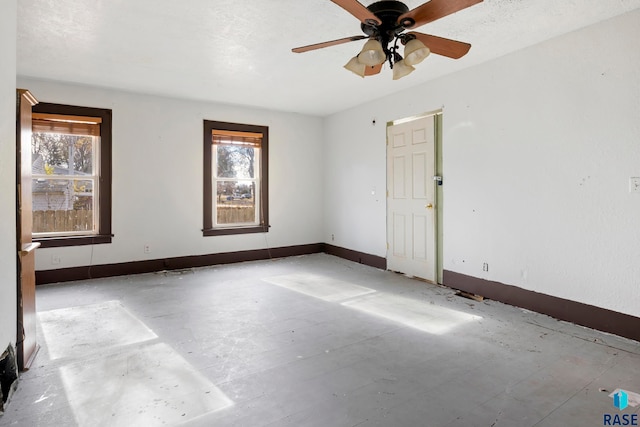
[590, 316]
[598, 318]
[177, 263]
[355, 256]
[149, 266]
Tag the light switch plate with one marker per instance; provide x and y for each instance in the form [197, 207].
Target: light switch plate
[634, 184]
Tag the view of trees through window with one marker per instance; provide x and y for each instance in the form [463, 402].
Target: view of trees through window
[64, 184]
[236, 184]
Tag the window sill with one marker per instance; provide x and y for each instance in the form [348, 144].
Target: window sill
[235, 230]
[57, 242]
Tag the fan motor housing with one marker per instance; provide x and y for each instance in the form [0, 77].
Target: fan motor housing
[388, 11]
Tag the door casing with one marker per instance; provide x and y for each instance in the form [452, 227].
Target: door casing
[26, 344]
[437, 195]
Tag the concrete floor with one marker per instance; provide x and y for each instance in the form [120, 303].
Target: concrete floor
[310, 341]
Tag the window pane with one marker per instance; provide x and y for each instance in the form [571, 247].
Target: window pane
[235, 202]
[60, 154]
[63, 205]
[236, 161]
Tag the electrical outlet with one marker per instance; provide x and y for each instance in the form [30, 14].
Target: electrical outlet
[55, 259]
[147, 248]
[333, 237]
[485, 267]
[634, 184]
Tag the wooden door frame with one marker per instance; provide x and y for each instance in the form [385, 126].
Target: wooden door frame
[439, 200]
[26, 344]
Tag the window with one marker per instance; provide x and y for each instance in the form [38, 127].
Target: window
[71, 172]
[236, 196]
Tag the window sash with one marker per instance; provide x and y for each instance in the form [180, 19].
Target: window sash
[255, 182]
[95, 182]
[67, 128]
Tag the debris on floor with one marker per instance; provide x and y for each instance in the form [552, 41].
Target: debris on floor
[469, 295]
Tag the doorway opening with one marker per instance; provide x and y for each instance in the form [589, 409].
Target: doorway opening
[415, 197]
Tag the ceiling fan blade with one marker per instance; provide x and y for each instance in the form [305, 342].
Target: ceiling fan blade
[441, 46]
[327, 44]
[370, 71]
[356, 8]
[432, 10]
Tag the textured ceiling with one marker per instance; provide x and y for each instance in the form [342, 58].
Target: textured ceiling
[239, 51]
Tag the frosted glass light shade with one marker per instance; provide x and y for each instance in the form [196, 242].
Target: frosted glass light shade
[415, 52]
[356, 67]
[401, 69]
[372, 53]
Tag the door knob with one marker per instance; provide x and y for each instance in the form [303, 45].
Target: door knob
[429, 206]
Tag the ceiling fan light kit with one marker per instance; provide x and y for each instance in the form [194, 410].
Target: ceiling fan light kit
[401, 69]
[415, 52]
[372, 53]
[356, 67]
[384, 23]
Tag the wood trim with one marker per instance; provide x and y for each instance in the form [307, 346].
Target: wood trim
[138, 267]
[59, 242]
[28, 96]
[235, 230]
[27, 248]
[26, 336]
[207, 185]
[598, 318]
[177, 263]
[355, 256]
[105, 117]
[207, 222]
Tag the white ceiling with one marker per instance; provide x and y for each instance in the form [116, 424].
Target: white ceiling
[239, 51]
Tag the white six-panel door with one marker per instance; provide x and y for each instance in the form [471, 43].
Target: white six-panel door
[411, 209]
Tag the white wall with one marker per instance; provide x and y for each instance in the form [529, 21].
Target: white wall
[538, 149]
[157, 176]
[8, 252]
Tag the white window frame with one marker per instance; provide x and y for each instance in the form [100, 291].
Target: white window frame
[256, 181]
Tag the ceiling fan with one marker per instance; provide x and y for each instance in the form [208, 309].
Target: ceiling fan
[384, 23]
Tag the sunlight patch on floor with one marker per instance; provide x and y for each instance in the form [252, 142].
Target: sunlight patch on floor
[417, 314]
[115, 372]
[146, 386]
[76, 331]
[322, 287]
